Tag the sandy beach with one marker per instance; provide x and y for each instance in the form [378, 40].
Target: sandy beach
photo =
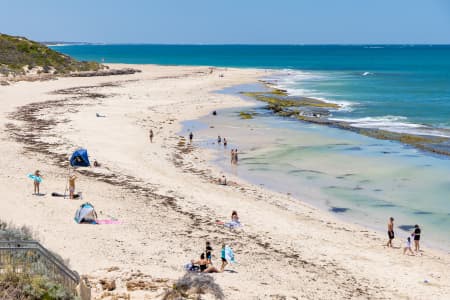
[167, 200]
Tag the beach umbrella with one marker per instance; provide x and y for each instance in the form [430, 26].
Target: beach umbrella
[80, 158]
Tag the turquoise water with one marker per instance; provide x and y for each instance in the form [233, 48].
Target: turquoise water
[391, 87]
[362, 179]
[398, 88]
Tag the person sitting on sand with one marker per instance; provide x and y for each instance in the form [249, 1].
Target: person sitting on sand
[390, 231]
[72, 179]
[234, 216]
[223, 180]
[96, 163]
[204, 265]
[408, 246]
[234, 221]
[37, 181]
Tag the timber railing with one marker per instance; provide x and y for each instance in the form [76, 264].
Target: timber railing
[30, 257]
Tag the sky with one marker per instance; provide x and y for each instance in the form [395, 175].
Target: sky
[230, 21]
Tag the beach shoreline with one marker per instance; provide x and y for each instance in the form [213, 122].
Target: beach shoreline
[166, 196]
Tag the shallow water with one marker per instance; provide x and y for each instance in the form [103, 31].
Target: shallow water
[361, 179]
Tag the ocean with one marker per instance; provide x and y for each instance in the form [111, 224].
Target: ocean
[361, 179]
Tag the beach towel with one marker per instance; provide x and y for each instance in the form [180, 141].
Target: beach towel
[35, 178]
[108, 222]
[189, 267]
[233, 224]
[229, 255]
[75, 196]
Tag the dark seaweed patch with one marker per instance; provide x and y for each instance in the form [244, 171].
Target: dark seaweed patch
[339, 209]
[406, 227]
[419, 212]
[385, 205]
[353, 149]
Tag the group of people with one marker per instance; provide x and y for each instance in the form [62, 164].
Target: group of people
[415, 235]
[37, 179]
[205, 265]
[219, 141]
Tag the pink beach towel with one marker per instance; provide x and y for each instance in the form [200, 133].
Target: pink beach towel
[102, 222]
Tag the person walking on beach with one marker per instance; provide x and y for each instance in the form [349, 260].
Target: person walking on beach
[390, 231]
[219, 139]
[72, 179]
[223, 257]
[151, 135]
[232, 156]
[236, 156]
[191, 136]
[225, 143]
[416, 235]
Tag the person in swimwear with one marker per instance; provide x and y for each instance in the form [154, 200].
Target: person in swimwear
[390, 231]
[416, 235]
[72, 179]
[37, 181]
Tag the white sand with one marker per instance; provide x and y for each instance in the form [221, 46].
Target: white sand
[162, 192]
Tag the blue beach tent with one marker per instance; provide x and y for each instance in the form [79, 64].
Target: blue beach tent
[80, 158]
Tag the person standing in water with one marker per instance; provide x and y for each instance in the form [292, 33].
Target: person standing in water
[219, 139]
[225, 143]
[390, 231]
[191, 136]
[151, 135]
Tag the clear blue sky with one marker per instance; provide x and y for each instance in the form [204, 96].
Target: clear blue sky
[229, 21]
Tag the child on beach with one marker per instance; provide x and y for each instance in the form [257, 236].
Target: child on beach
[408, 246]
[208, 252]
[37, 181]
[72, 179]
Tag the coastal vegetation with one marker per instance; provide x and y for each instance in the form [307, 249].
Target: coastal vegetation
[23, 285]
[20, 56]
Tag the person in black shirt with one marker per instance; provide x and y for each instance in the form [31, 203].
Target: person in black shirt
[416, 234]
[208, 251]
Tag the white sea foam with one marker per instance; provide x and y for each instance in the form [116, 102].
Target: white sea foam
[291, 81]
[397, 124]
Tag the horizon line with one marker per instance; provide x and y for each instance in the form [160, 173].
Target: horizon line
[61, 43]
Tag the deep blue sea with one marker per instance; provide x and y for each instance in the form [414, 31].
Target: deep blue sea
[392, 87]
